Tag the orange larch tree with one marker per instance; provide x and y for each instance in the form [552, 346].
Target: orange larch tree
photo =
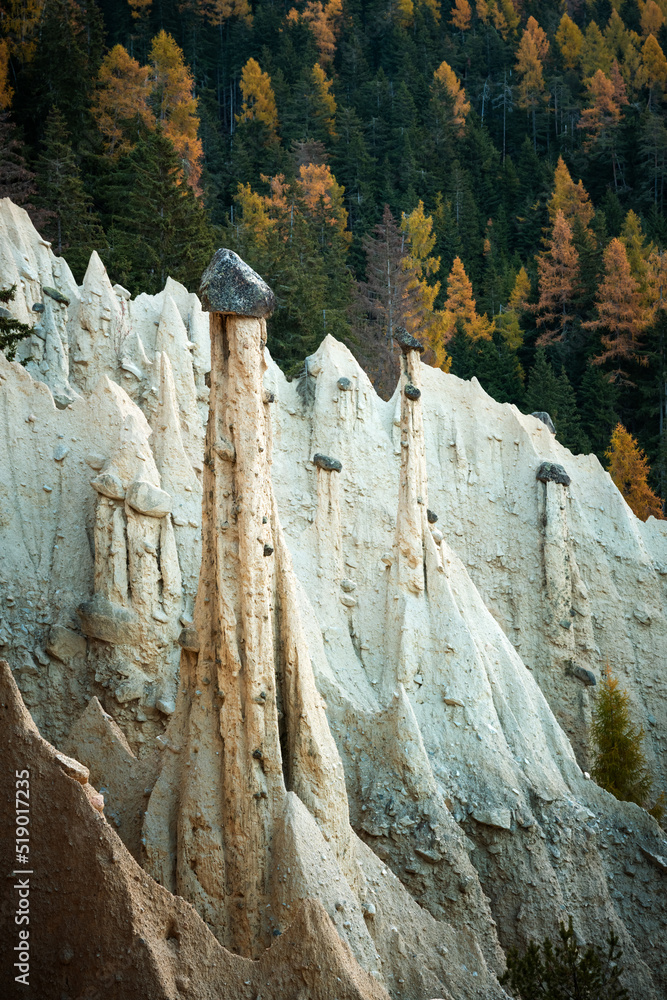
[174, 103]
[447, 84]
[218, 12]
[6, 92]
[324, 21]
[532, 51]
[602, 118]
[323, 197]
[652, 19]
[569, 198]
[460, 306]
[620, 315]
[629, 468]
[121, 101]
[259, 103]
[461, 15]
[558, 282]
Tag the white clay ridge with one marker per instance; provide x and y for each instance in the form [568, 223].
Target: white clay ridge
[337, 697]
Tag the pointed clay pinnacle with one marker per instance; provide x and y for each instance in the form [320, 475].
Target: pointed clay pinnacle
[230, 286]
[406, 341]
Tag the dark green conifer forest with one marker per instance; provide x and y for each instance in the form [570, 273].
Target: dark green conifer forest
[490, 174]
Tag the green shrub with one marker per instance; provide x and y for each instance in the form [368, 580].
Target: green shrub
[11, 330]
[564, 971]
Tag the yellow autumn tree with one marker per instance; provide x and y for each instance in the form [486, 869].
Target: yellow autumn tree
[601, 119]
[446, 79]
[653, 74]
[532, 51]
[461, 15]
[6, 92]
[450, 98]
[570, 41]
[218, 12]
[259, 103]
[324, 20]
[518, 300]
[460, 306]
[326, 100]
[255, 212]
[323, 197]
[629, 468]
[652, 19]
[139, 8]
[569, 198]
[174, 103]
[421, 318]
[501, 13]
[19, 20]
[121, 101]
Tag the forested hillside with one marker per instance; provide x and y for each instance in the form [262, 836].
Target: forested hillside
[490, 175]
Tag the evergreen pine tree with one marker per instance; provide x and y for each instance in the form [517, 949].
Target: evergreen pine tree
[65, 66]
[499, 371]
[542, 391]
[17, 181]
[566, 970]
[597, 405]
[164, 231]
[11, 330]
[462, 351]
[566, 418]
[73, 226]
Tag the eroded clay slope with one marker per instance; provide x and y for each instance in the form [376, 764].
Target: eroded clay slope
[442, 668]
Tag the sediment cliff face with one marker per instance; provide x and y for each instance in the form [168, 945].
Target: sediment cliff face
[340, 649]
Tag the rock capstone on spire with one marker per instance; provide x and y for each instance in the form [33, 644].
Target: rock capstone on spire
[407, 342]
[231, 287]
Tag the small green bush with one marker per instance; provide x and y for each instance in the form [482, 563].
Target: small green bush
[564, 971]
[11, 330]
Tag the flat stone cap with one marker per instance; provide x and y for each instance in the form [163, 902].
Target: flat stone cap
[550, 472]
[326, 463]
[407, 342]
[230, 286]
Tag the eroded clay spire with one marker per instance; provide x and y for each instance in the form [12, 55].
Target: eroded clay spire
[411, 520]
[250, 725]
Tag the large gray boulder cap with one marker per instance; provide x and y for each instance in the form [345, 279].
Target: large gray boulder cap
[230, 286]
[406, 341]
